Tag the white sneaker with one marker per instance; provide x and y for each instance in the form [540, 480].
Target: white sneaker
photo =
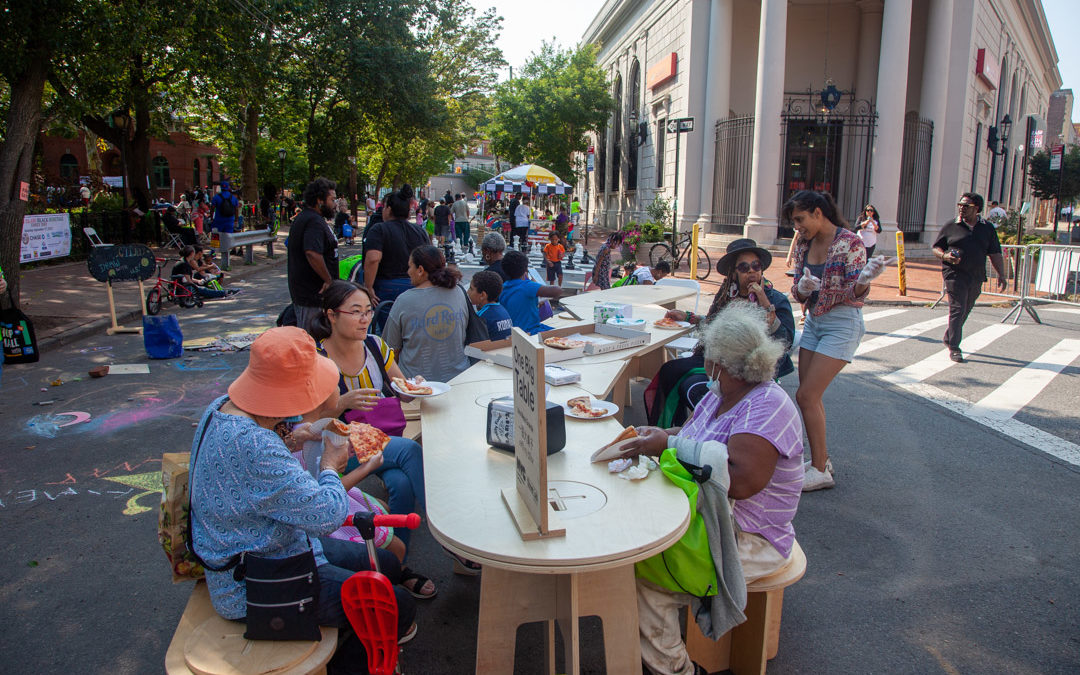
[818, 480]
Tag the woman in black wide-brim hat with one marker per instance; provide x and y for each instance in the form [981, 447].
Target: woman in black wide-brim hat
[680, 383]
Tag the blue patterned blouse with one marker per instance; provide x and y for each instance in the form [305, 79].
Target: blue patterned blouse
[249, 494]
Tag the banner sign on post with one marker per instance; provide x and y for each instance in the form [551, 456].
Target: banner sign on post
[528, 503]
[1055, 157]
[24, 191]
[901, 266]
[46, 235]
[693, 249]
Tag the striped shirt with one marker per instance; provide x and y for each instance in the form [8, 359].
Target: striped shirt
[766, 411]
[369, 376]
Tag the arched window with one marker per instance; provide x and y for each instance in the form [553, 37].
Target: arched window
[160, 169]
[69, 167]
[632, 92]
[195, 174]
[601, 162]
[616, 126]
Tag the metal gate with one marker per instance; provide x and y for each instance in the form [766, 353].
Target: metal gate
[731, 173]
[828, 150]
[914, 175]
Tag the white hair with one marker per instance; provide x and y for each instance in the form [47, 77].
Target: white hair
[494, 242]
[737, 338]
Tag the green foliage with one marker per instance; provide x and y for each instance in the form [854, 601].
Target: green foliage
[659, 211]
[652, 232]
[1044, 182]
[545, 115]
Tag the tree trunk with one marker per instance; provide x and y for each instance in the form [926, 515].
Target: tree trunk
[382, 174]
[249, 168]
[16, 155]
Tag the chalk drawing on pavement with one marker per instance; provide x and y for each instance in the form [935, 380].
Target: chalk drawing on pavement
[150, 483]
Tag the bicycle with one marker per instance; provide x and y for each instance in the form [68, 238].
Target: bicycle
[171, 291]
[673, 254]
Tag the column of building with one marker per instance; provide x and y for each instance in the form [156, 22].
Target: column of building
[891, 101]
[717, 97]
[697, 30]
[765, 167]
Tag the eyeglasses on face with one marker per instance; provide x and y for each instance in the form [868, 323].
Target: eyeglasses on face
[367, 314]
[965, 205]
[745, 267]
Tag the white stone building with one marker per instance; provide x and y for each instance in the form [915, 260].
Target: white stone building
[883, 101]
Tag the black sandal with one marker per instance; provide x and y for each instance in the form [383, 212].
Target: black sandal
[463, 565]
[418, 582]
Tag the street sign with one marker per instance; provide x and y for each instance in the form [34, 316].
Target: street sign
[1055, 157]
[680, 125]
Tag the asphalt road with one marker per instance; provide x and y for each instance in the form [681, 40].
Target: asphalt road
[948, 545]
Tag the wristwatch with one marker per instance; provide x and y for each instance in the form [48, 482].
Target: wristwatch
[770, 308]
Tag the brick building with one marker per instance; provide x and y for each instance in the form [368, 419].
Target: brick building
[175, 165]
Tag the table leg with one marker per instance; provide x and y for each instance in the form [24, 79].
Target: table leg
[612, 595]
[567, 619]
[507, 600]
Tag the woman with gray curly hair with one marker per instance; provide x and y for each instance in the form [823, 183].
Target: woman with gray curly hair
[748, 430]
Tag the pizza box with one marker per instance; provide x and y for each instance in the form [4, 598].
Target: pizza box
[500, 352]
[615, 337]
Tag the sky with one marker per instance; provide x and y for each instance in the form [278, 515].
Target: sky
[527, 25]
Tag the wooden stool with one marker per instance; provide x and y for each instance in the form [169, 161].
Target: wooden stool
[206, 644]
[411, 410]
[746, 648]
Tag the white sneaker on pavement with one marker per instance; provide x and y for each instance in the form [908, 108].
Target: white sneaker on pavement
[818, 480]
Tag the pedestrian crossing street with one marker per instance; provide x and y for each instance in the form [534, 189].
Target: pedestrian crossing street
[1021, 380]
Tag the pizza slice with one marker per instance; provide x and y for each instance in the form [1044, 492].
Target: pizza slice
[563, 343]
[413, 385]
[615, 449]
[366, 440]
[666, 322]
[582, 407]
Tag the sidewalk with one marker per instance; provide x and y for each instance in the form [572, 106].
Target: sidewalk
[66, 304]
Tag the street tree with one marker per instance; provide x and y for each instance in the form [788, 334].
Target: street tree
[1047, 184]
[545, 115]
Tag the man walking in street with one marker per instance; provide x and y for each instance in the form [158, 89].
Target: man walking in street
[313, 257]
[443, 227]
[963, 246]
[461, 221]
[225, 206]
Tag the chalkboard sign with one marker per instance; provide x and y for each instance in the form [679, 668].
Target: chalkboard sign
[122, 262]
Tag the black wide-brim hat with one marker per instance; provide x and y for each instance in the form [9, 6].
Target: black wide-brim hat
[726, 265]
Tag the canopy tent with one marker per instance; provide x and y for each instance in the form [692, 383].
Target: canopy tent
[525, 179]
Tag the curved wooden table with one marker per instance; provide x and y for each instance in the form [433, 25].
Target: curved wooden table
[610, 524]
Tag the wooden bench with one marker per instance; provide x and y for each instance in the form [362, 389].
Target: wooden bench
[747, 648]
[206, 644]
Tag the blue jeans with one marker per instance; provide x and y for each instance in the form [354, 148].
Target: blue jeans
[387, 289]
[345, 558]
[402, 472]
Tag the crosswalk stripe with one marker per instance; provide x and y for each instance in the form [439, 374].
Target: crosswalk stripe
[1025, 385]
[889, 339]
[1065, 310]
[939, 361]
[1025, 433]
[874, 316]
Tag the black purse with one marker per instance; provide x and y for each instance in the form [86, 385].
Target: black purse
[282, 593]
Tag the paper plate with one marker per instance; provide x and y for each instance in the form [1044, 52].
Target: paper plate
[437, 389]
[611, 409]
[682, 324]
[630, 323]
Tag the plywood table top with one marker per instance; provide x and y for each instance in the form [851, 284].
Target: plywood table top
[464, 476]
[633, 295]
[596, 378]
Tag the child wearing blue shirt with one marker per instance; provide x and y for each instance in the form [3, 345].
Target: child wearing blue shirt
[521, 296]
[484, 291]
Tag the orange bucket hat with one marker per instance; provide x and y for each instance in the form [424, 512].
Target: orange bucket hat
[285, 376]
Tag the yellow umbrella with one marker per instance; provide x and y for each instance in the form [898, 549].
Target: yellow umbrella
[538, 174]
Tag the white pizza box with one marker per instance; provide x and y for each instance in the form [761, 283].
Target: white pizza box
[602, 311]
[557, 375]
[601, 338]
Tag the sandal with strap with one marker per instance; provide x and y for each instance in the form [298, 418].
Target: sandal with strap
[463, 565]
[419, 581]
[409, 634]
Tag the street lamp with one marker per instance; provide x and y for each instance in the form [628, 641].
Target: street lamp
[997, 141]
[638, 130]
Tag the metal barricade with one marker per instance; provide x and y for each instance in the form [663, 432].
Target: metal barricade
[1054, 274]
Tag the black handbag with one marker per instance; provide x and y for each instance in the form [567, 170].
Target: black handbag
[282, 593]
[17, 331]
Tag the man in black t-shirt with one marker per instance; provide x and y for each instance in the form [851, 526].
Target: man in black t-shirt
[442, 222]
[313, 258]
[963, 246]
[387, 246]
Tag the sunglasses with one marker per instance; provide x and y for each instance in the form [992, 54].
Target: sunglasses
[745, 267]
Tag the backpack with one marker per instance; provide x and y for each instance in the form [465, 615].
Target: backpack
[226, 209]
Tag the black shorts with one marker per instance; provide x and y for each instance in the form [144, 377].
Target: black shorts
[554, 271]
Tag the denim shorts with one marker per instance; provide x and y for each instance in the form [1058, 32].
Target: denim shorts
[835, 333]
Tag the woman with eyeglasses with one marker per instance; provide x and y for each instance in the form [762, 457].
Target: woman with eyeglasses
[341, 329]
[682, 383]
[868, 229]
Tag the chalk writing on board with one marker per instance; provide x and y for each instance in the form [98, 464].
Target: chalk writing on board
[124, 262]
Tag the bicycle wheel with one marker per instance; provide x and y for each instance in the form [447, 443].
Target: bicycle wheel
[704, 264]
[153, 301]
[185, 297]
[660, 252]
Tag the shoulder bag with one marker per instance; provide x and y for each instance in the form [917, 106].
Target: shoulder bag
[476, 328]
[282, 593]
[387, 414]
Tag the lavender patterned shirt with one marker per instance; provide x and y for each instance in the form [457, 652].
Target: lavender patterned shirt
[766, 411]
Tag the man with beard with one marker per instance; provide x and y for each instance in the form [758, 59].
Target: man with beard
[313, 256]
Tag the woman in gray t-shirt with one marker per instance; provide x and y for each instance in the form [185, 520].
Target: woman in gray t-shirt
[427, 322]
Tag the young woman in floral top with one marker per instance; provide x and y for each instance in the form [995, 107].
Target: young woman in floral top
[832, 276]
